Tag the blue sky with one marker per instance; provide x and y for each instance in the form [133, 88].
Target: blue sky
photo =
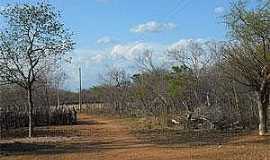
[112, 32]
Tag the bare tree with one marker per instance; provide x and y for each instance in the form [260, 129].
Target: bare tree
[144, 62]
[116, 82]
[191, 60]
[247, 56]
[33, 39]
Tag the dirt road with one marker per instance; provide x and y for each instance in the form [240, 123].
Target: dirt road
[99, 138]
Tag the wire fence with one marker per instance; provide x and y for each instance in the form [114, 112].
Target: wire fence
[62, 115]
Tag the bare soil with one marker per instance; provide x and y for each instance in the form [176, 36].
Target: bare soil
[103, 138]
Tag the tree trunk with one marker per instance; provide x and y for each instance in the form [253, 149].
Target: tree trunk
[237, 106]
[263, 102]
[30, 109]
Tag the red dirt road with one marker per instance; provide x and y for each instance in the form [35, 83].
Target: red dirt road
[99, 138]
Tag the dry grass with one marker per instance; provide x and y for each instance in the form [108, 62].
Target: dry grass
[103, 138]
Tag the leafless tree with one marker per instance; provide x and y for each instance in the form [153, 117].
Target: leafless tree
[247, 56]
[115, 87]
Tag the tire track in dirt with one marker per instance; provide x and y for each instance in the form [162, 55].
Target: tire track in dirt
[103, 138]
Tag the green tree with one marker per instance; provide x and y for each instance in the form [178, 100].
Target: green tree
[177, 80]
[32, 40]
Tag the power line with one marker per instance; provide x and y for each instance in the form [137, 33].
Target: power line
[183, 7]
[175, 9]
[179, 8]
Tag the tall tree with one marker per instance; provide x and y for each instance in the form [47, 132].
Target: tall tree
[248, 55]
[33, 39]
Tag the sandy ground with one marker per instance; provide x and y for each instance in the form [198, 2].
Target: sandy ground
[99, 138]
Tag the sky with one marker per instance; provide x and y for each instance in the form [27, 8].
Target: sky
[112, 33]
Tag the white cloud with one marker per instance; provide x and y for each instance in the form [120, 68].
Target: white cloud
[94, 61]
[126, 52]
[153, 27]
[105, 40]
[87, 57]
[91, 61]
[129, 51]
[183, 43]
[98, 58]
[2, 8]
[219, 10]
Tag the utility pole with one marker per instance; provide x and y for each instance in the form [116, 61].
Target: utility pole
[80, 91]
[58, 97]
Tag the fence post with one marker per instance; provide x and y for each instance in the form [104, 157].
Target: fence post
[0, 123]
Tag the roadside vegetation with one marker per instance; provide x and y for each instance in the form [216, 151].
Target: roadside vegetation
[222, 85]
[209, 99]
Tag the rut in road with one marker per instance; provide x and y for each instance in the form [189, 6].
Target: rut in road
[107, 133]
